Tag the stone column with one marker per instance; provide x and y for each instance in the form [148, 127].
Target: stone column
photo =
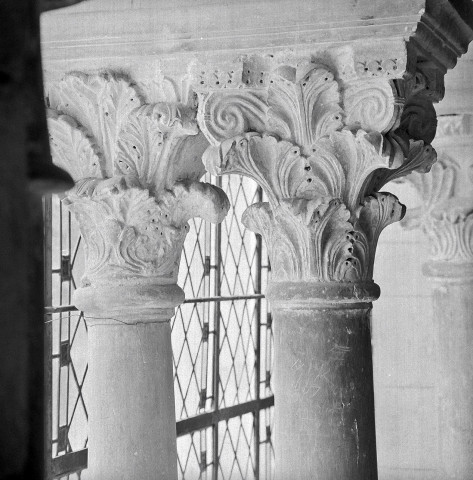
[136, 168]
[321, 142]
[446, 217]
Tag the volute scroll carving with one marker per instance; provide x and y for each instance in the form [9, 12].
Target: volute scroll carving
[137, 168]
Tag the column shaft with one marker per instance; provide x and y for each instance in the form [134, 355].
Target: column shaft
[324, 420]
[132, 426]
[453, 307]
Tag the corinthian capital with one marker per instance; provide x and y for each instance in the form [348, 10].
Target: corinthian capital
[446, 213]
[321, 137]
[137, 168]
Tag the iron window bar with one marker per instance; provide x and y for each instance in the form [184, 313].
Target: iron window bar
[256, 296]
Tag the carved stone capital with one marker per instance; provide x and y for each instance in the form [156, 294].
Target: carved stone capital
[137, 168]
[321, 141]
[446, 213]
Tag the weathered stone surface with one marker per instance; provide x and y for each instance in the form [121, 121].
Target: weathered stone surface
[323, 370]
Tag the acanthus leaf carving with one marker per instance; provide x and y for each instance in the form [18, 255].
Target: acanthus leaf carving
[100, 104]
[378, 211]
[306, 108]
[316, 213]
[73, 149]
[309, 239]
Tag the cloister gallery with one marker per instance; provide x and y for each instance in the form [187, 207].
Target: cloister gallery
[147, 332]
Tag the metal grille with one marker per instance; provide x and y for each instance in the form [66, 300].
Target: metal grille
[221, 338]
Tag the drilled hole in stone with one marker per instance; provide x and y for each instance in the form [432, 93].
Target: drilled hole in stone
[309, 180]
[307, 168]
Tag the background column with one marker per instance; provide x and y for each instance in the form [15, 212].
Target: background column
[446, 217]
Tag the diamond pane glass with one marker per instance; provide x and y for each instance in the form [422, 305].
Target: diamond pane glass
[195, 455]
[66, 332]
[236, 449]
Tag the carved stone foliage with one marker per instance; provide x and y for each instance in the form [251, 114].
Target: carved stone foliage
[321, 148]
[446, 213]
[136, 168]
